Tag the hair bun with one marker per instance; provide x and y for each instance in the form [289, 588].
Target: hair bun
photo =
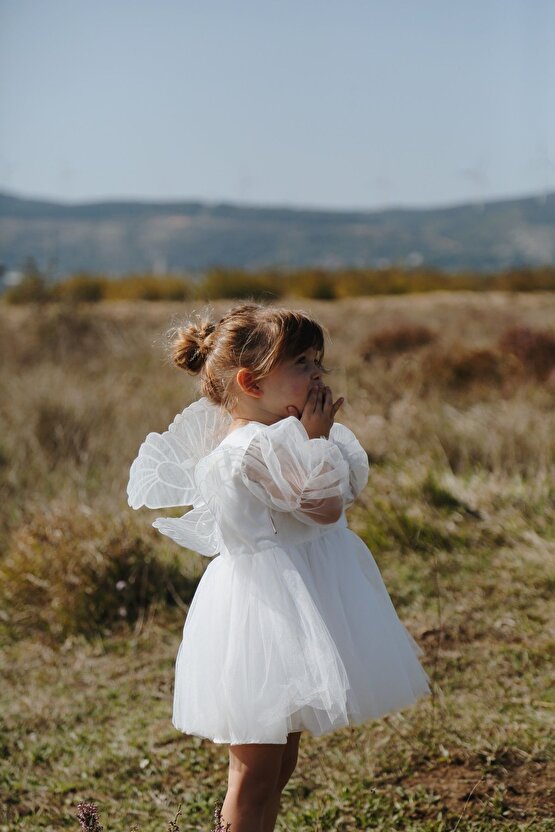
[192, 346]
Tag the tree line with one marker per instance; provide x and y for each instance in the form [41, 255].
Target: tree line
[309, 282]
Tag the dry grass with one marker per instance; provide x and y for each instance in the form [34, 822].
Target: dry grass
[459, 513]
[70, 571]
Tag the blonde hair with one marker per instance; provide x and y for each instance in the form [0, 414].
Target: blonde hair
[251, 335]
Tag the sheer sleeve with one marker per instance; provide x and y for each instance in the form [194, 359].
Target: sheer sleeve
[355, 456]
[289, 472]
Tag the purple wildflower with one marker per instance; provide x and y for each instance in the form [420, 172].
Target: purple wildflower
[87, 814]
[219, 827]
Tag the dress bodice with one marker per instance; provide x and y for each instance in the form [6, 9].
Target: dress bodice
[252, 489]
[245, 523]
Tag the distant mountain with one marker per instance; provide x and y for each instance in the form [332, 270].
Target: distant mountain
[118, 237]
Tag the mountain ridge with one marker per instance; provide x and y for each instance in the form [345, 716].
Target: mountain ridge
[119, 236]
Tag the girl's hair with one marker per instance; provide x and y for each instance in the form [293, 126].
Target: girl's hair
[253, 336]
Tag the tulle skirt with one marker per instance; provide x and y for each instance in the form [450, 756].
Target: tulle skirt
[303, 638]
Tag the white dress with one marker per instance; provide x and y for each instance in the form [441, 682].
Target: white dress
[291, 627]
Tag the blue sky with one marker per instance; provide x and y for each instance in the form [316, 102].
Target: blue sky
[351, 104]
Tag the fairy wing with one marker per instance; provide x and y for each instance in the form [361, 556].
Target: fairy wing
[195, 530]
[163, 474]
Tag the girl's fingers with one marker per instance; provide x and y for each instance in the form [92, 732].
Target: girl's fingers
[336, 406]
[311, 400]
[320, 400]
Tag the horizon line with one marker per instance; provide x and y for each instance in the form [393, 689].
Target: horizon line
[157, 201]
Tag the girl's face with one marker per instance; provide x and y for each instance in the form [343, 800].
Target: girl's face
[289, 384]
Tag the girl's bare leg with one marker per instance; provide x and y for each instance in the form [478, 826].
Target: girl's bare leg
[288, 763]
[254, 772]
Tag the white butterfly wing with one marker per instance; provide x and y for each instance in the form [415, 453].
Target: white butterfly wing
[195, 530]
[162, 475]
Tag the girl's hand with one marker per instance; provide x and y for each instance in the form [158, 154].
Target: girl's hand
[319, 412]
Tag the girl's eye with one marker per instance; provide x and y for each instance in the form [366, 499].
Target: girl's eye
[302, 359]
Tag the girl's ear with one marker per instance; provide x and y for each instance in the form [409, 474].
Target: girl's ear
[246, 382]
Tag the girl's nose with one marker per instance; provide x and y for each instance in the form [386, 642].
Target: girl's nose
[317, 374]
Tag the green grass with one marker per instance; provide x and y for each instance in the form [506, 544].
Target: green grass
[92, 721]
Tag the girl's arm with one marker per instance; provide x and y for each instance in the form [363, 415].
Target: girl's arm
[323, 511]
[290, 472]
[318, 419]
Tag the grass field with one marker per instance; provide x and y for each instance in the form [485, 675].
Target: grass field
[452, 395]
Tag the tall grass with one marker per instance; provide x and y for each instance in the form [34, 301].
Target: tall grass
[432, 387]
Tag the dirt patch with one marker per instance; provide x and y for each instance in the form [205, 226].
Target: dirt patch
[520, 791]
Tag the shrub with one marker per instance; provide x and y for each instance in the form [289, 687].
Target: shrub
[475, 366]
[460, 368]
[239, 284]
[81, 287]
[394, 340]
[70, 572]
[525, 279]
[535, 349]
[313, 283]
[31, 288]
[148, 287]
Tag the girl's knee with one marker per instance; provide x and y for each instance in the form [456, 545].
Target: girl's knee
[254, 773]
[285, 774]
[288, 765]
[252, 791]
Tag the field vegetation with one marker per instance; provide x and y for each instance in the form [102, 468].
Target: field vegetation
[316, 283]
[452, 394]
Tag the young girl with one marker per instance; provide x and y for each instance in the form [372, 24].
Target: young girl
[291, 627]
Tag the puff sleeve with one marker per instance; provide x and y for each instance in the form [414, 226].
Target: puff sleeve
[355, 456]
[289, 472]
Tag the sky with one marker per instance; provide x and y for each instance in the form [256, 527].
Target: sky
[332, 104]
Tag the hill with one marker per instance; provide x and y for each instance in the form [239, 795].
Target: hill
[116, 237]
